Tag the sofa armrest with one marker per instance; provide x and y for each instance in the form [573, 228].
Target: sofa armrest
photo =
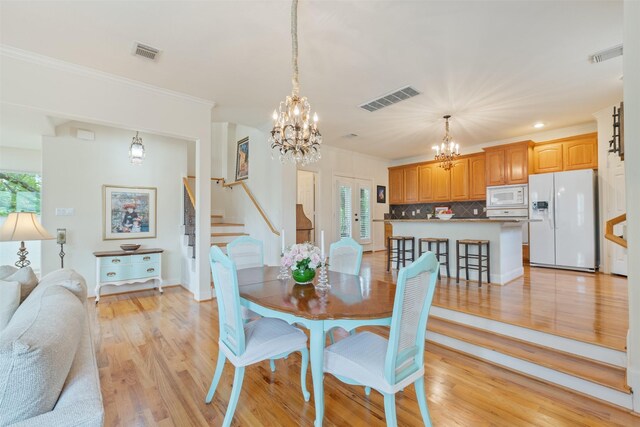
[84, 413]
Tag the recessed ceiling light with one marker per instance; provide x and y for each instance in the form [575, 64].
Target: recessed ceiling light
[538, 125]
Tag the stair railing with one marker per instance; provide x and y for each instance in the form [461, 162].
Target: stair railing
[189, 214]
[609, 235]
[253, 199]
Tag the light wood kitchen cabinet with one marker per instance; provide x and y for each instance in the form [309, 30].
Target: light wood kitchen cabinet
[495, 167]
[410, 184]
[517, 164]
[396, 186]
[441, 184]
[547, 158]
[477, 177]
[581, 152]
[508, 164]
[572, 153]
[460, 179]
[388, 232]
[425, 182]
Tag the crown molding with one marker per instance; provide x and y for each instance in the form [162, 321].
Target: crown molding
[49, 62]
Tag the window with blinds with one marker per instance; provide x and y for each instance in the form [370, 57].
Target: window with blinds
[365, 214]
[346, 210]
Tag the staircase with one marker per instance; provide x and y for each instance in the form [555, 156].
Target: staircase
[582, 367]
[224, 232]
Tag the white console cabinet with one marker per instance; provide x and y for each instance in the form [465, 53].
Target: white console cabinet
[127, 267]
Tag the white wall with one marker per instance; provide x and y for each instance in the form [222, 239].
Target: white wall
[20, 159]
[631, 69]
[336, 161]
[605, 187]
[74, 172]
[69, 91]
[535, 137]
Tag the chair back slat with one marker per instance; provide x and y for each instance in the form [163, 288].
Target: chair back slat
[414, 294]
[225, 282]
[246, 252]
[345, 256]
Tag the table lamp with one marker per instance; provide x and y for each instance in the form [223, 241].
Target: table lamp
[21, 227]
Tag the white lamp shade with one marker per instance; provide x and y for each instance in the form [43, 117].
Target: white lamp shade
[23, 226]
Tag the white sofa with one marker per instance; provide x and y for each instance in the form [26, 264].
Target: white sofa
[48, 371]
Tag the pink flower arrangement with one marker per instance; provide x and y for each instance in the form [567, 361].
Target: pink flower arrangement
[302, 256]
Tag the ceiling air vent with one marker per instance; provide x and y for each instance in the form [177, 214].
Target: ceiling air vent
[145, 51]
[606, 54]
[390, 99]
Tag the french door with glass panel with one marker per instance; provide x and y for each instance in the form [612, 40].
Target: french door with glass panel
[353, 213]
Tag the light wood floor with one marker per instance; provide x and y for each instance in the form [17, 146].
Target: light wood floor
[156, 355]
[583, 306]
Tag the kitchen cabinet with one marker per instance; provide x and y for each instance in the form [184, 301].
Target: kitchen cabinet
[508, 164]
[388, 232]
[396, 186]
[495, 167]
[581, 152]
[441, 184]
[547, 158]
[517, 164]
[425, 182]
[410, 184]
[477, 177]
[572, 153]
[459, 176]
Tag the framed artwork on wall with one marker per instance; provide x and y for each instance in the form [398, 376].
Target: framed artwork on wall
[381, 194]
[128, 212]
[242, 159]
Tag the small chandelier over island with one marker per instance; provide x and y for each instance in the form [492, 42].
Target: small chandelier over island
[448, 150]
[295, 135]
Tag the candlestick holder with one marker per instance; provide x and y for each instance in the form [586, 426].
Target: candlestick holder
[323, 278]
[284, 271]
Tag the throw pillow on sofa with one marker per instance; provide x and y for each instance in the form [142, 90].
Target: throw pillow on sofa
[68, 278]
[9, 301]
[25, 275]
[37, 349]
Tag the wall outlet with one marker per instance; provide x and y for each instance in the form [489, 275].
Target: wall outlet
[484, 209]
[413, 213]
[475, 211]
[403, 213]
[417, 210]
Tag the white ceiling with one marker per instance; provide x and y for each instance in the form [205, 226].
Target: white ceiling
[496, 66]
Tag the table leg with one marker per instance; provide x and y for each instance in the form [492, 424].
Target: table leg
[317, 368]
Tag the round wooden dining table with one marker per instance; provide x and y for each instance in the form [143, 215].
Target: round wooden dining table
[349, 302]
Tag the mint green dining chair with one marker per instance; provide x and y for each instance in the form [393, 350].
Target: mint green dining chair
[245, 344]
[389, 366]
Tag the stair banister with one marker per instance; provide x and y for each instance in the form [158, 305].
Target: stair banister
[609, 235]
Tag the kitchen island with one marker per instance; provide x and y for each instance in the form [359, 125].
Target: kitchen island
[504, 235]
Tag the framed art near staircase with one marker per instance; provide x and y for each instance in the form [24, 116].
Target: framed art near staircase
[242, 159]
[129, 212]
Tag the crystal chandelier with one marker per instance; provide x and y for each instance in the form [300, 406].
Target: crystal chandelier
[295, 135]
[136, 150]
[448, 150]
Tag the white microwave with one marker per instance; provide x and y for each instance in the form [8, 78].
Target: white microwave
[508, 196]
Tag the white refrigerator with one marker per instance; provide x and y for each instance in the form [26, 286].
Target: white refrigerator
[565, 205]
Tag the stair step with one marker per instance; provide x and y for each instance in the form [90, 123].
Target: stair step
[220, 245]
[228, 234]
[587, 369]
[216, 216]
[226, 224]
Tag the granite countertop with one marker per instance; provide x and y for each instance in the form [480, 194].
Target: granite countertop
[435, 220]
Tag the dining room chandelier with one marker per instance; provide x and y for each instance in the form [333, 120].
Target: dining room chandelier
[136, 150]
[447, 151]
[295, 135]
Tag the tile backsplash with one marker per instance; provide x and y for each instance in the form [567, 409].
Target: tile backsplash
[420, 210]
